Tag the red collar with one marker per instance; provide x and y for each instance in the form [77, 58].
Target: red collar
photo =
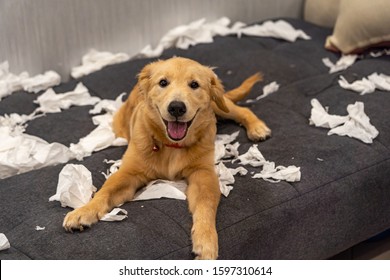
[156, 147]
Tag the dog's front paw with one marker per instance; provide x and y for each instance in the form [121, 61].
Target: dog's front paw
[258, 131]
[204, 243]
[80, 218]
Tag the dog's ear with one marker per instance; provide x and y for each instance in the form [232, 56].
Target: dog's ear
[144, 78]
[217, 92]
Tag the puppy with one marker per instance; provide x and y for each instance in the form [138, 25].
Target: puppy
[169, 122]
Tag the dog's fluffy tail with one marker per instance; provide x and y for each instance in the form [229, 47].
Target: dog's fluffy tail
[244, 89]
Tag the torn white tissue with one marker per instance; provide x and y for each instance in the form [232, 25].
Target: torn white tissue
[115, 164]
[4, 243]
[39, 228]
[103, 135]
[269, 172]
[274, 174]
[356, 124]
[110, 106]
[200, 31]
[10, 82]
[252, 157]
[276, 29]
[343, 63]
[117, 214]
[223, 148]
[226, 177]
[367, 85]
[20, 152]
[75, 189]
[52, 102]
[95, 60]
[320, 117]
[41, 82]
[162, 188]
[267, 90]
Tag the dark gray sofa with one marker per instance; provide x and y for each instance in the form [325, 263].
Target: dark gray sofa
[338, 203]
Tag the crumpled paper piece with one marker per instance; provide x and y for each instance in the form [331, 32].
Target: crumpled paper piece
[41, 82]
[367, 85]
[269, 172]
[356, 124]
[320, 117]
[75, 189]
[10, 82]
[267, 90]
[20, 152]
[95, 60]
[343, 63]
[52, 102]
[279, 29]
[4, 243]
[199, 31]
[162, 188]
[39, 228]
[103, 135]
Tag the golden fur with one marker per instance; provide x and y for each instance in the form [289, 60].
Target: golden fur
[155, 151]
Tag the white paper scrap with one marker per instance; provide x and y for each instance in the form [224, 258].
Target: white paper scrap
[279, 29]
[356, 124]
[10, 82]
[343, 63]
[51, 102]
[320, 117]
[200, 31]
[252, 157]
[226, 178]
[41, 82]
[223, 148]
[95, 60]
[39, 228]
[115, 164]
[116, 214]
[367, 85]
[4, 243]
[20, 152]
[274, 174]
[162, 188]
[74, 187]
[267, 90]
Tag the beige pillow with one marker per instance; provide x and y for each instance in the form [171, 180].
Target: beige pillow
[321, 12]
[361, 24]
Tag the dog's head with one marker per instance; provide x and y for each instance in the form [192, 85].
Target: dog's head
[178, 91]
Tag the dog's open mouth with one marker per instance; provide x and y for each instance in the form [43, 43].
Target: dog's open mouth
[177, 130]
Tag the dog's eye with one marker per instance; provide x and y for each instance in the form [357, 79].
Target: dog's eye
[194, 85]
[163, 83]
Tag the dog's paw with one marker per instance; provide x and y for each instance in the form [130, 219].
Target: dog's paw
[205, 243]
[80, 218]
[258, 131]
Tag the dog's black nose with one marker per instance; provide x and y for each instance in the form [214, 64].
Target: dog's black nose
[177, 108]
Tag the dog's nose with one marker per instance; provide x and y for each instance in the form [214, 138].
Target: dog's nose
[177, 108]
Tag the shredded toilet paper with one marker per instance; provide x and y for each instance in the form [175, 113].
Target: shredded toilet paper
[367, 85]
[41, 82]
[10, 83]
[200, 31]
[75, 189]
[95, 60]
[343, 63]
[356, 124]
[267, 90]
[4, 243]
[103, 135]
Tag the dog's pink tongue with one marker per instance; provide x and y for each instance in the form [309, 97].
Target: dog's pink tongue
[177, 130]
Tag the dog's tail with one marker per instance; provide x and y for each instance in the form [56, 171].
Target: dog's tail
[244, 89]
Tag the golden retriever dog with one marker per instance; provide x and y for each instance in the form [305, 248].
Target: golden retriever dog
[170, 124]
